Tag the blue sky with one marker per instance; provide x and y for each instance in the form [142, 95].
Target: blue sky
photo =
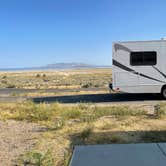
[40, 32]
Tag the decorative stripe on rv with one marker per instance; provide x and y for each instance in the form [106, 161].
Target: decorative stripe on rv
[116, 63]
[159, 71]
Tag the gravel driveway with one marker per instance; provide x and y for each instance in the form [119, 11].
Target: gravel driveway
[15, 139]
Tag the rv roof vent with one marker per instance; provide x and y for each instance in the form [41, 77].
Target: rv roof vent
[163, 38]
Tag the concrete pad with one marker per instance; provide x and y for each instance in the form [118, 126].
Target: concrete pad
[163, 147]
[118, 155]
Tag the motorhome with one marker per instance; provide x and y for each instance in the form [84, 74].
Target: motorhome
[139, 67]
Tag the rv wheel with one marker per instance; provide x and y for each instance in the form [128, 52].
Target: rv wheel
[164, 92]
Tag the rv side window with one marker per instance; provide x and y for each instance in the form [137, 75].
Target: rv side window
[147, 58]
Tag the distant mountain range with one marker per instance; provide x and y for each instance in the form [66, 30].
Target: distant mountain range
[58, 66]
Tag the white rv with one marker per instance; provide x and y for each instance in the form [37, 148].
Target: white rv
[139, 67]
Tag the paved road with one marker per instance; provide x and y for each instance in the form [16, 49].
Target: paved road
[6, 96]
[10, 95]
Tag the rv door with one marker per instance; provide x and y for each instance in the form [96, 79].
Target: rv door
[126, 79]
[124, 75]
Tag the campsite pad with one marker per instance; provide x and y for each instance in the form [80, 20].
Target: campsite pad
[152, 154]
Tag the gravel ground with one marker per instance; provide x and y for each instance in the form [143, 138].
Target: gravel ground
[15, 139]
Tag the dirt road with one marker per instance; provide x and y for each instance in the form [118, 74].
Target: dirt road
[15, 139]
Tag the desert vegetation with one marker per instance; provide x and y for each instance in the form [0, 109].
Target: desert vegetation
[80, 78]
[45, 134]
[64, 126]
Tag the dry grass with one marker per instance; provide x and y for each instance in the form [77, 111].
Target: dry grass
[42, 93]
[83, 124]
[69, 125]
[160, 110]
[56, 79]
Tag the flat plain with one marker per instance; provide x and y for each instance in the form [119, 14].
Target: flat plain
[81, 78]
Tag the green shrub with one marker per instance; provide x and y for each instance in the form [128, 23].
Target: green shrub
[116, 111]
[14, 94]
[55, 124]
[55, 114]
[86, 133]
[4, 77]
[84, 106]
[44, 75]
[160, 110]
[32, 112]
[11, 86]
[38, 75]
[88, 85]
[37, 159]
[72, 113]
[4, 81]
[97, 85]
[106, 139]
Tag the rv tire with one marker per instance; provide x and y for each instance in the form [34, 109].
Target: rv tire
[163, 92]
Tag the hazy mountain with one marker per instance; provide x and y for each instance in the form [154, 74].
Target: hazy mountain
[59, 66]
[70, 66]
